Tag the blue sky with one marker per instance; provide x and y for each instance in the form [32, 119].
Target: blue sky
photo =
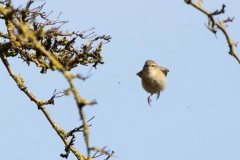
[197, 117]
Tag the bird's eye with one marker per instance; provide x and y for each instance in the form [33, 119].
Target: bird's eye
[152, 65]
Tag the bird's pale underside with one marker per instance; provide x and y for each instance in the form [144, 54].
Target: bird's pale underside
[153, 78]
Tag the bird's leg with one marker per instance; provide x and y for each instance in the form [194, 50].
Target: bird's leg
[158, 95]
[149, 99]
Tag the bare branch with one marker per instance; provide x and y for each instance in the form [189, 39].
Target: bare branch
[53, 49]
[213, 25]
[51, 100]
[78, 129]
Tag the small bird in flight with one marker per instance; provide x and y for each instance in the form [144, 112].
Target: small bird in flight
[153, 78]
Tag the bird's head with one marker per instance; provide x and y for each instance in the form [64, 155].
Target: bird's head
[149, 65]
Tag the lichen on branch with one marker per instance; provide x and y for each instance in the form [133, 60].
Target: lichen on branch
[50, 49]
[60, 44]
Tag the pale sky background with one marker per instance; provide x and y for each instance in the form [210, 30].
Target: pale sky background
[197, 117]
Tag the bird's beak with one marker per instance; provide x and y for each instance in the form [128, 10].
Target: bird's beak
[139, 74]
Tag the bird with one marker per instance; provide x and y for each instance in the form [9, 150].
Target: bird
[153, 78]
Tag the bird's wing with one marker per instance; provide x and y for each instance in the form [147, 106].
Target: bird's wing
[139, 74]
[164, 70]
